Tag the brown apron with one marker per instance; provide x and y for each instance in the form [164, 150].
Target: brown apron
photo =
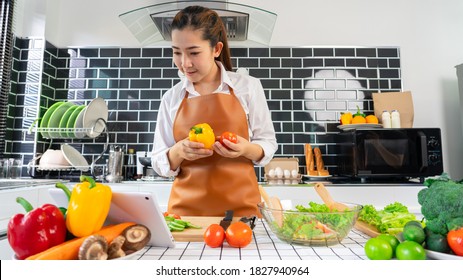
[212, 185]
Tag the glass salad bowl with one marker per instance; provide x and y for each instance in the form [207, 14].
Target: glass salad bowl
[310, 223]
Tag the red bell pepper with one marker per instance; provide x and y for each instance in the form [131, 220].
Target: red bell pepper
[37, 230]
[455, 240]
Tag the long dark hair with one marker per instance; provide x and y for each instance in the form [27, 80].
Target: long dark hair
[198, 17]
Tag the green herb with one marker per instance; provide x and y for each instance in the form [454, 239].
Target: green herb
[178, 224]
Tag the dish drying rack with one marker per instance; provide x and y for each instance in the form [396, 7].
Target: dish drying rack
[69, 133]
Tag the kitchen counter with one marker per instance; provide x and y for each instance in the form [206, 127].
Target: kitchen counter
[265, 246]
[7, 184]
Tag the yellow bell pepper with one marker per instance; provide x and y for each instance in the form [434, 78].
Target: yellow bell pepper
[88, 207]
[346, 118]
[202, 133]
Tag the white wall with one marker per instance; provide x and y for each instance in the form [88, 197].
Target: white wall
[427, 32]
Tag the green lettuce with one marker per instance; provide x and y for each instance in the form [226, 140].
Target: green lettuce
[307, 226]
[391, 219]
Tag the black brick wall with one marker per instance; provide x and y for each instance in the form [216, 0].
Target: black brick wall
[307, 89]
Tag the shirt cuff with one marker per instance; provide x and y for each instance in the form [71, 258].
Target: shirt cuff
[161, 165]
[269, 151]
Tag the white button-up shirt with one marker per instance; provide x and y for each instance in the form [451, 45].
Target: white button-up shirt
[249, 92]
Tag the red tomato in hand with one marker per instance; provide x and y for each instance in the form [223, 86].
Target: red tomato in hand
[214, 235]
[230, 136]
[238, 235]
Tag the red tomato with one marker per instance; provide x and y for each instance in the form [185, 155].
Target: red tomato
[455, 240]
[175, 216]
[238, 235]
[214, 235]
[230, 136]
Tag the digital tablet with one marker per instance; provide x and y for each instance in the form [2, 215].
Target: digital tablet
[138, 207]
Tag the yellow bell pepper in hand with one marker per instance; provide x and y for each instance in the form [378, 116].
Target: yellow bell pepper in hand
[202, 133]
[88, 207]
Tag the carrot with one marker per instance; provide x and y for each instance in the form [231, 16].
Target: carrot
[69, 250]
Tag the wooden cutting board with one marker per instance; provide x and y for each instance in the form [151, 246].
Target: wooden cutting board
[195, 235]
[367, 229]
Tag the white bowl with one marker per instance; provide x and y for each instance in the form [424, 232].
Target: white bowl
[74, 157]
[53, 159]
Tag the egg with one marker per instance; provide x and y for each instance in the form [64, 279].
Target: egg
[287, 174]
[271, 173]
[294, 173]
[279, 172]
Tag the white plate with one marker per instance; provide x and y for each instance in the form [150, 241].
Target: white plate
[360, 125]
[74, 157]
[133, 256]
[96, 110]
[317, 177]
[79, 124]
[442, 256]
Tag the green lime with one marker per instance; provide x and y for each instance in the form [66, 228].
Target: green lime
[410, 250]
[414, 223]
[378, 249]
[393, 241]
[415, 233]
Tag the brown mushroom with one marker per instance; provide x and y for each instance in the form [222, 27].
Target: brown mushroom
[115, 248]
[94, 247]
[136, 237]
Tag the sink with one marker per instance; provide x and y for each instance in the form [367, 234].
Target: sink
[26, 182]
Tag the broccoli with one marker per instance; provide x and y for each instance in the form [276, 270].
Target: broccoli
[442, 204]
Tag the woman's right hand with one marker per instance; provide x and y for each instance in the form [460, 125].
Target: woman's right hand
[186, 150]
[190, 150]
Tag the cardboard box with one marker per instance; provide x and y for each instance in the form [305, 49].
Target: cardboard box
[285, 164]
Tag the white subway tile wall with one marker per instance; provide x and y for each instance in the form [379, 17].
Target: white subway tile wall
[307, 88]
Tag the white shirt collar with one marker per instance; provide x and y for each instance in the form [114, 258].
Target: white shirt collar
[224, 86]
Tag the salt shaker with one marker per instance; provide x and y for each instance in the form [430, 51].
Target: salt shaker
[386, 119]
[395, 119]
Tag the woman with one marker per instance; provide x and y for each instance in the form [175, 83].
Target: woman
[210, 181]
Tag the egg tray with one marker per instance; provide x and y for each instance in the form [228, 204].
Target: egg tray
[284, 163]
[283, 180]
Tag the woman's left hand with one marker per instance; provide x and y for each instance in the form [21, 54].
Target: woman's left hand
[234, 150]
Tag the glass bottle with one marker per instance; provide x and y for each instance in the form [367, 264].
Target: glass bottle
[395, 119]
[131, 167]
[386, 119]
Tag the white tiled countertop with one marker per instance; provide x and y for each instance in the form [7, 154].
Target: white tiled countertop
[265, 246]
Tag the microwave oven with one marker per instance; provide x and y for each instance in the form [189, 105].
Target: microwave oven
[389, 153]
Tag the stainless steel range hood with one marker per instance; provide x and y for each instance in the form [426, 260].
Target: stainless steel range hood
[151, 24]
